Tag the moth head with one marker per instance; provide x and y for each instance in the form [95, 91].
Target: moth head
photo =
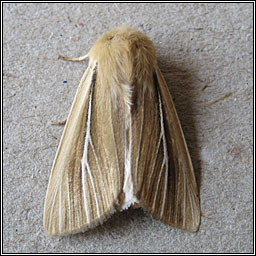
[125, 54]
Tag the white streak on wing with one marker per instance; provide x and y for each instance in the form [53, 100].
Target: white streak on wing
[130, 198]
[84, 187]
[128, 183]
[94, 191]
[166, 159]
[84, 161]
[85, 165]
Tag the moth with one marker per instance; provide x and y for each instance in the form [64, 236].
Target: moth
[122, 144]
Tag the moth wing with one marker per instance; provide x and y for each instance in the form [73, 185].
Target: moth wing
[85, 179]
[166, 185]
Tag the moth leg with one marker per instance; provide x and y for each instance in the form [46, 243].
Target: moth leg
[59, 123]
[82, 58]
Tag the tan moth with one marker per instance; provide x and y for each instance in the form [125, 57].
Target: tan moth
[122, 143]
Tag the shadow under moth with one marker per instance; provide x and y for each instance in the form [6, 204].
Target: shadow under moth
[122, 144]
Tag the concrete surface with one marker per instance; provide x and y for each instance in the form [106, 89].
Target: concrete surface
[205, 52]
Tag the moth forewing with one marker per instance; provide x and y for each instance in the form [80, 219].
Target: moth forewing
[186, 203]
[62, 208]
[122, 143]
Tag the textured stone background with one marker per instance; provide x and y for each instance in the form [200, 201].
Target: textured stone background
[205, 52]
